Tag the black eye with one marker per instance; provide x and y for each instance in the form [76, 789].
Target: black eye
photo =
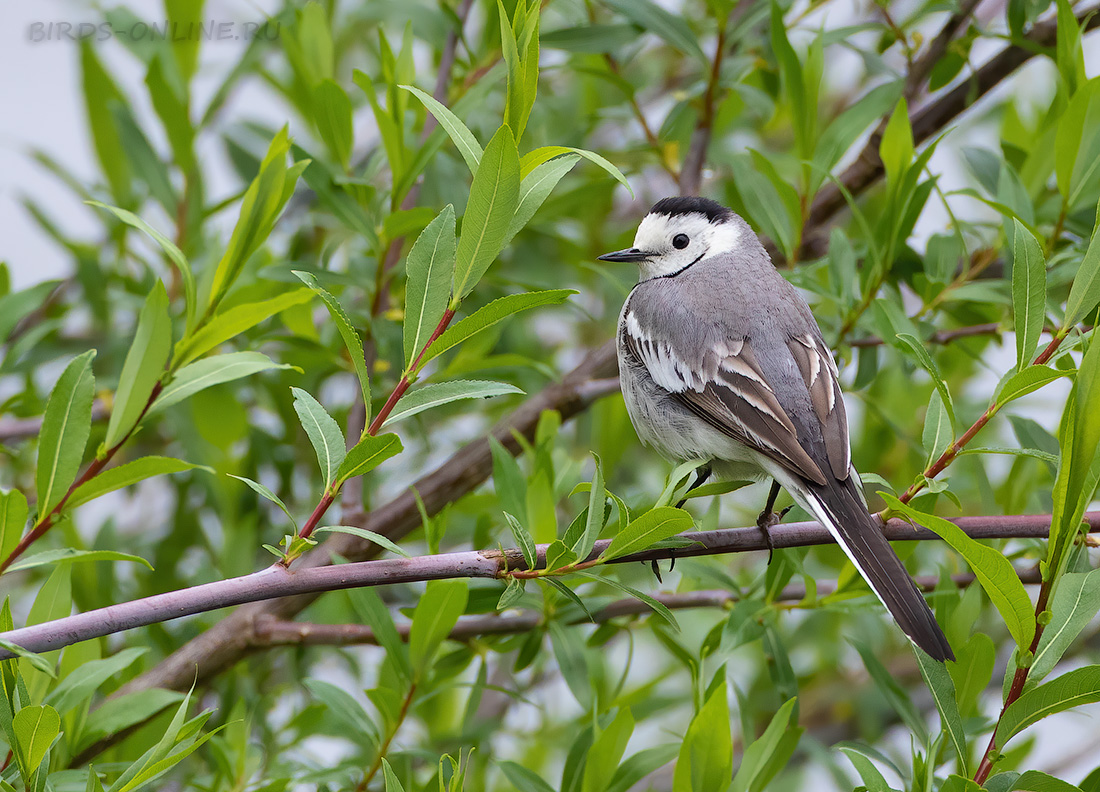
[680, 241]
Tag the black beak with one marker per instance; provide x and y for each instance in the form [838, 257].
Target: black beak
[630, 254]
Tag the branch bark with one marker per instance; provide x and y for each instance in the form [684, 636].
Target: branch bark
[277, 581]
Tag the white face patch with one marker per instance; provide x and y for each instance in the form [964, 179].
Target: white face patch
[657, 232]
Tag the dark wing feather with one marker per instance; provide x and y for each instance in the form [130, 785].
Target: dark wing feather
[818, 370]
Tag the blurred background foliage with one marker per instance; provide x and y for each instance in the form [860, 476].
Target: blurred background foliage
[891, 183]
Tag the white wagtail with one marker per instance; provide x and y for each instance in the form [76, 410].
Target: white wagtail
[721, 360]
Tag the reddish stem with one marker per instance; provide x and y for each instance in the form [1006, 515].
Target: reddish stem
[91, 472]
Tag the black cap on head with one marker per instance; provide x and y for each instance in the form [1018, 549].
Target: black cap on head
[688, 204]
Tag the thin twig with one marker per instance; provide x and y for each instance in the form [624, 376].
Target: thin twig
[277, 581]
[940, 337]
[691, 175]
[278, 632]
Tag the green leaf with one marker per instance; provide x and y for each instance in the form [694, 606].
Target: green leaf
[1084, 294]
[429, 396]
[522, 779]
[1076, 601]
[1030, 379]
[871, 776]
[266, 493]
[942, 688]
[175, 255]
[1077, 145]
[363, 533]
[263, 202]
[839, 136]
[938, 433]
[534, 159]
[435, 616]
[706, 756]
[234, 321]
[332, 114]
[100, 93]
[392, 782]
[66, 555]
[430, 267]
[894, 693]
[324, 433]
[35, 729]
[127, 474]
[352, 341]
[83, 681]
[494, 196]
[993, 571]
[65, 429]
[655, 605]
[374, 613]
[13, 520]
[594, 519]
[929, 365]
[512, 593]
[487, 316]
[1072, 689]
[651, 527]
[1036, 781]
[672, 28]
[607, 751]
[1029, 292]
[591, 39]
[367, 454]
[345, 711]
[170, 106]
[639, 765]
[463, 139]
[144, 366]
[896, 148]
[536, 188]
[758, 755]
[211, 371]
[523, 540]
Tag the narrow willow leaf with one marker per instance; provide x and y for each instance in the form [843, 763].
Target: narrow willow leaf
[651, 527]
[67, 555]
[435, 616]
[463, 138]
[1072, 689]
[594, 519]
[894, 693]
[100, 93]
[672, 28]
[871, 776]
[938, 433]
[896, 148]
[655, 605]
[430, 266]
[234, 321]
[211, 371]
[536, 188]
[144, 366]
[523, 539]
[494, 196]
[127, 474]
[522, 779]
[1029, 292]
[393, 784]
[639, 765]
[489, 315]
[928, 364]
[370, 536]
[323, 432]
[367, 454]
[35, 729]
[514, 101]
[332, 114]
[1077, 145]
[352, 341]
[266, 493]
[174, 254]
[82, 682]
[1084, 294]
[706, 755]
[535, 158]
[1020, 383]
[1076, 601]
[434, 395]
[758, 757]
[13, 520]
[993, 571]
[513, 593]
[263, 201]
[942, 688]
[607, 751]
[843, 131]
[65, 429]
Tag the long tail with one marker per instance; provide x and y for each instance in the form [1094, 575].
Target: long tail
[840, 509]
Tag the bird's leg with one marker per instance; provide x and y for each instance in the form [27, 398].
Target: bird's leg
[768, 518]
[701, 476]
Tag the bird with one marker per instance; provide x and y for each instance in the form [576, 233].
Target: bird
[721, 360]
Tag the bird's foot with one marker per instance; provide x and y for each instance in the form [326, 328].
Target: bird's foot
[657, 567]
[765, 522]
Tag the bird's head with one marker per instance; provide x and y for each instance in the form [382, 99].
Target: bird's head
[678, 232]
